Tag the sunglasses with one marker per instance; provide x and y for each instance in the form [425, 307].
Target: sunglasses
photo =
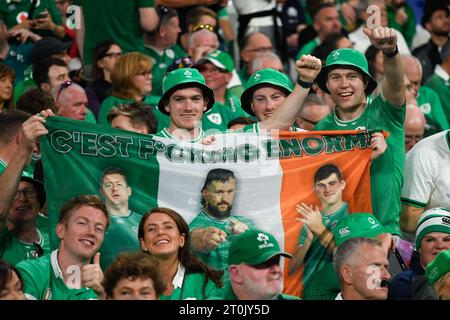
[63, 86]
[203, 27]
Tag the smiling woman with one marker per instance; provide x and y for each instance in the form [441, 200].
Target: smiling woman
[164, 234]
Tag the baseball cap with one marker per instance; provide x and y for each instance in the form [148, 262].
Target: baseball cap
[346, 58]
[220, 59]
[267, 77]
[438, 267]
[48, 46]
[38, 186]
[357, 225]
[432, 220]
[254, 247]
[181, 79]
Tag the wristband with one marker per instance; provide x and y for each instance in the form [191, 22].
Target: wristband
[304, 84]
[391, 54]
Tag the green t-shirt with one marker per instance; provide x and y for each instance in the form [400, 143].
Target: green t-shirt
[115, 20]
[42, 222]
[43, 280]
[324, 285]
[192, 288]
[217, 258]
[14, 250]
[386, 172]
[15, 12]
[308, 48]
[121, 236]
[244, 76]
[442, 88]
[430, 104]
[112, 101]
[227, 293]
[161, 63]
[317, 256]
[408, 30]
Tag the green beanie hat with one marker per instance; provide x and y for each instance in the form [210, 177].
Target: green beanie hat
[433, 220]
[181, 79]
[438, 267]
[266, 77]
[357, 225]
[220, 59]
[346, 58]
[254, 247]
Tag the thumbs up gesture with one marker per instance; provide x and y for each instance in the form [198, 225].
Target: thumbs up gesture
[92, 275]
[383, 38]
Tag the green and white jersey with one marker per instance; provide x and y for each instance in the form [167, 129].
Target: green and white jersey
[427, 173]
[42, 222]
[161, 61]
[165, 134]
[218, 117]
[25, 172]
[189, 286]
[112, 101]
[43, 280]
[121, 236]
[309, 47]
[15, 12]
[317, 256]
[430, 104]
[217, 258]
[440, 83]
[227, 293]
[14, 250]
[386, 172]
[324, 285]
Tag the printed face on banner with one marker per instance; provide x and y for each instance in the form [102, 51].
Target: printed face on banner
[115, 189]
[329, 190]
[219, 198]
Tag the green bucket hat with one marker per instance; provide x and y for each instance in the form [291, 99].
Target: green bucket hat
[346, 58]
[220, 59]
[357, 225]
[432, 220]
[438, 267]
[181, 79]
[254, 247]
[266, 77]
[38, 187]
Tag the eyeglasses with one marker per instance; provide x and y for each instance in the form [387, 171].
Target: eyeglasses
[113, 54]
[267, 264]
[27, 193]
[145, 74]
[203, 26]
[409, 138]
[63, 86]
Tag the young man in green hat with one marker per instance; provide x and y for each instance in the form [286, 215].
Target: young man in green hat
[271, 97]
[186, 97]
[346, 78]
[254, 268]
[217, 68]
[68, 273]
